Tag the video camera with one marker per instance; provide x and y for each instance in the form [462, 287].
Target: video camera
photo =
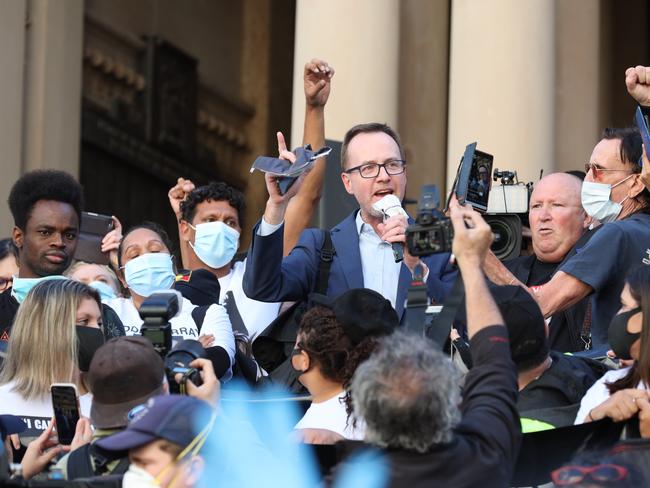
[507, 213]
[432, 232]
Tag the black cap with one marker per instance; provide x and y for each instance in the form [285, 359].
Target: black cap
[361, 312]
[199, 286]
[525, 323]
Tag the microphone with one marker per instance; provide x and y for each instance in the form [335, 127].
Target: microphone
[389, 206]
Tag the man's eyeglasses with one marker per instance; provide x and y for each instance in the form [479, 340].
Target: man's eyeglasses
[597, 171]
[571, 475]
[371, 170]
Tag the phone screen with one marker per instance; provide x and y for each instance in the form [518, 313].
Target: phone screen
[66, 411]
[480, 181]
[643, 129]
[89, 244]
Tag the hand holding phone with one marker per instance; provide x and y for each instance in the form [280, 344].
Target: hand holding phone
[65, 403]
[92, 230]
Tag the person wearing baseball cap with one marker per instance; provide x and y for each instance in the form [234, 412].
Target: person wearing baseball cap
[551, 384]
[163, 442]
[334, 337]
[124, 373]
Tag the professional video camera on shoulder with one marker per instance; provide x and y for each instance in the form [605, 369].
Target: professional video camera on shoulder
[156, 311]
[507, 213]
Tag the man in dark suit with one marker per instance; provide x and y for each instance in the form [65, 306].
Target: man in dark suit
[373, 166]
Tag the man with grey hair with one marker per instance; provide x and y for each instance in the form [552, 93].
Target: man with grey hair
[408, 392]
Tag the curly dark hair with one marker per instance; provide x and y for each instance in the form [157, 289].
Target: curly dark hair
[8, 248]
[326, 342]
[215, 190]
[152, 226]
[43, 184]
[322, 336]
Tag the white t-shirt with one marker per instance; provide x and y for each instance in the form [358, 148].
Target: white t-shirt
[331, 415]
[216, 322]
[37, 412]
[256, 315]
[599, 392]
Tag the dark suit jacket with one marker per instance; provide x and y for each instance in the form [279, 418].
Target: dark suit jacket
[270, 278]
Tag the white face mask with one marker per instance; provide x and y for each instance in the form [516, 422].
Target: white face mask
[136, 477]
[596, 200]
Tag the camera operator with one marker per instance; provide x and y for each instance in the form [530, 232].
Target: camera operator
[373, 166]
[614, 194]
[408, 392]
[124, 374]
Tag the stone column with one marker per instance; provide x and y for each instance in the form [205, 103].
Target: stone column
[52, 89]
[12, 56]
[361, 40]
[501, 84]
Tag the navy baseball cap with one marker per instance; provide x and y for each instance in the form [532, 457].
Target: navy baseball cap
[175, 418]
[10, 424]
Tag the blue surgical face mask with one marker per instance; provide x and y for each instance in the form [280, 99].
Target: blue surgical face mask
[215, 243]
[105, 291]
[596, 200]
[149, 273]
[21, 286]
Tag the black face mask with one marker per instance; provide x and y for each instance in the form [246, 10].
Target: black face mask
[89, 339]
[297, 372]
[619, 338]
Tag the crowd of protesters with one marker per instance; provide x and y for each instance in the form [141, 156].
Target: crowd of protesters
[550, 384]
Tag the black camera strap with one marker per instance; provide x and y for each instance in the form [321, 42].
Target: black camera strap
[417, 301]
[441, 326]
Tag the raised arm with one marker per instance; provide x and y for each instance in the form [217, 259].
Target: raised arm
[472, 239]
[317, 80]
[176, 195]
[560, 293]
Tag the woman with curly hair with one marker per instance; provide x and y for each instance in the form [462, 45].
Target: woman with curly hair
[333, 339]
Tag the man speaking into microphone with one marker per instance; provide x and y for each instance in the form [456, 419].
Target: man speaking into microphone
[366, 244]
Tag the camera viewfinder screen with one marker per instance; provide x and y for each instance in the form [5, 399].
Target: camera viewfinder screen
[480, 181]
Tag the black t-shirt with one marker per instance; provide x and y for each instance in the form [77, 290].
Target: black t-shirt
[8, 309]
[540, 272]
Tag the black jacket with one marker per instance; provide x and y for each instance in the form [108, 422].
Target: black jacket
[555, 396]
[485, 445]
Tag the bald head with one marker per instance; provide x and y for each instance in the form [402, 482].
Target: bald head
[557, 219]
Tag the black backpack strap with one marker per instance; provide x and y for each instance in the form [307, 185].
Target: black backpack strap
[327, 253]
[198, 315]
[79, 463]
[441, 326]
[233, 314]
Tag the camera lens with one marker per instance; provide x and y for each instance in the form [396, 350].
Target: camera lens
[507, 235]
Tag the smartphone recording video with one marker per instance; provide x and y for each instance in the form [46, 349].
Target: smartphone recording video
[89, 244]
[474, 178]
[66, 411]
